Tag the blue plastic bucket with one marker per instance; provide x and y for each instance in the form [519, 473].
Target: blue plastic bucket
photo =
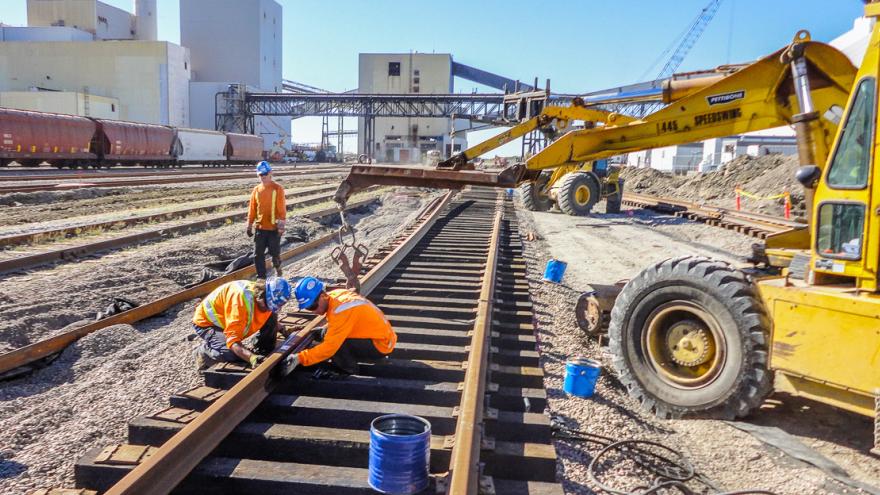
[580, 376]
[400, 452]
[554, 271]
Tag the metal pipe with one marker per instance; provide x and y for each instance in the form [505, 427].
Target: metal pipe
[465, 462]
[802, 83]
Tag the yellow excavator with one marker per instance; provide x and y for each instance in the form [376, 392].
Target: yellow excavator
[551, 121]
[693, 336]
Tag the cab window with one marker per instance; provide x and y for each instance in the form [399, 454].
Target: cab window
[849, 167]
[840, 230]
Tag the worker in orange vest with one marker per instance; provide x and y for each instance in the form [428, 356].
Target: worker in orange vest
[268, 211]
[356, 328]
[235, 311]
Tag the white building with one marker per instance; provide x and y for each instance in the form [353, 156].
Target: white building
[66, 49]
[249, 54]
[408, 139]
[102, 21]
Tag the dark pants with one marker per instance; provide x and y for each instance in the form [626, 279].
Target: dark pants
[214, 341]
[350, 352]
[267, 239]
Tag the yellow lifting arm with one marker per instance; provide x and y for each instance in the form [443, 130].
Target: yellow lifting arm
[759, 96]
[562, 115]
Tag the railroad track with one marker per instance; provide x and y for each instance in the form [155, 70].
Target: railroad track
[454, 289]
[69, 183]
[175, 223]
[14, 174]
[10, 175]
[752, 224]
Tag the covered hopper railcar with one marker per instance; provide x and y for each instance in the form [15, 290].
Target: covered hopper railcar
[30, 138]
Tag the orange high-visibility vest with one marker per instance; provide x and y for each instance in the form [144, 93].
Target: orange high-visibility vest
[351, 316]
[231, 307]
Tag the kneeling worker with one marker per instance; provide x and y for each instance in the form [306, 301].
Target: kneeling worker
[356, 328]
[237, 310]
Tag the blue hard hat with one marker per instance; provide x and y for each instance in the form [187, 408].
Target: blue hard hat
[263, 168]
[277, 293]
[307, 291]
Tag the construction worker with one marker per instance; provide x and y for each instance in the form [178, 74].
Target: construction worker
[356, 328]
[268, 211]
[235, 311]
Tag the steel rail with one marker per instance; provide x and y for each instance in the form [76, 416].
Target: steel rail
[167, 180]
[754, 224]
[47, 347]
[464, 466]
[177, 457]
[30, 237]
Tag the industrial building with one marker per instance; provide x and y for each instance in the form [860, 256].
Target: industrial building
[254, 45]
[95, 59]
[408, 139]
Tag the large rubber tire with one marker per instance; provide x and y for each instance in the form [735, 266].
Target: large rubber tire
[532, 199]
[577, 193]
[729, 303]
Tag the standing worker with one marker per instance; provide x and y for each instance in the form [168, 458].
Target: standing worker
[356, 328]
[268, 211]
[235, 311]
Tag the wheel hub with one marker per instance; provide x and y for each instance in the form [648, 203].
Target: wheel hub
[688, 343]
[582, 195]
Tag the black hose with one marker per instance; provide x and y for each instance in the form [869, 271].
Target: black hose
[678, 470]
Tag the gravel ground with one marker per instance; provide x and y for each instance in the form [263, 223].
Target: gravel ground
[50, 418]
[603, 250]
[168, 201]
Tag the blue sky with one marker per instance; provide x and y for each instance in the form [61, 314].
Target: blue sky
[580, 45]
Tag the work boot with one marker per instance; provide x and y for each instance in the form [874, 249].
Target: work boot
[278, 270]
[203, 361]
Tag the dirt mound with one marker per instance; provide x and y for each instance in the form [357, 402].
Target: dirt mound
[764, 176]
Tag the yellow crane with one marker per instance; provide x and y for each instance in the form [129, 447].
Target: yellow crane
[730, 100]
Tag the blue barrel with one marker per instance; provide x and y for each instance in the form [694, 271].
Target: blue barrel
[555, 270]
[400, 452]
[580, 376]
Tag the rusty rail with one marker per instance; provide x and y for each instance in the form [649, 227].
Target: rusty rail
[181, 454]
[753, 224]
[47, 347]
[158, 181]
[464, 466]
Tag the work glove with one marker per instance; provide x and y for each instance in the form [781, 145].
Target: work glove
[255, 360]
[289, 363]
[250, 230]
[281, 226]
